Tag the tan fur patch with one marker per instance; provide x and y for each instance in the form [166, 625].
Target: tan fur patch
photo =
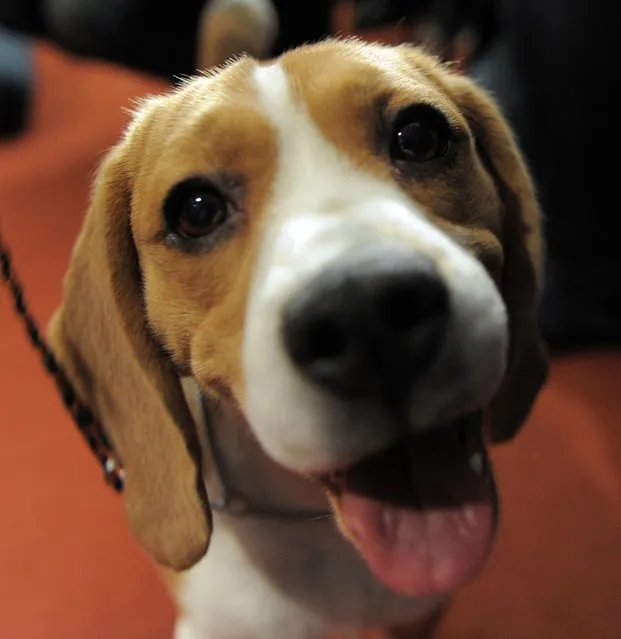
[196, 302]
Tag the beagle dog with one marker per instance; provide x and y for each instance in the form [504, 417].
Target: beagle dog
[303, 301]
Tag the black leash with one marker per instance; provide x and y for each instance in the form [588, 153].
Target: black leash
[82, 415]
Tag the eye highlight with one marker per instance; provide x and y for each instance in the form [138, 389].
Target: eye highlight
[420, 134]
[195, 208]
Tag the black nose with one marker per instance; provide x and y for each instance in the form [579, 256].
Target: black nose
[368, 325]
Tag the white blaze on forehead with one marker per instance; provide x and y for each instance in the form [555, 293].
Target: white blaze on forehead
[315, 183]
[272, 85]
[308, 163]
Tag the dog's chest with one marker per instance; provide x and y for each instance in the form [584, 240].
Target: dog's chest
[291, 580]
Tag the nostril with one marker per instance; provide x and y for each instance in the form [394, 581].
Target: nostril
[325, 339]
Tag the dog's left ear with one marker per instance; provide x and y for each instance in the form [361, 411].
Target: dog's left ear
[102, 339]
[527, 367]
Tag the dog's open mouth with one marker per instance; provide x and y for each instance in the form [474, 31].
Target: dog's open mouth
[422, 512]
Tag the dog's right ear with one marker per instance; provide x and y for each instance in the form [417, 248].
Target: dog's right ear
[101, 338]
[522, 273]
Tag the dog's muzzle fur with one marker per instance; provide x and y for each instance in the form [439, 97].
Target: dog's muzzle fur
[361, 331]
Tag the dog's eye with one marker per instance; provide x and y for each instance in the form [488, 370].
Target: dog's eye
[195, 208]
[421, 134]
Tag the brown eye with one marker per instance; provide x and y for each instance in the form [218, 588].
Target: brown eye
[421, 134]
[195, 208]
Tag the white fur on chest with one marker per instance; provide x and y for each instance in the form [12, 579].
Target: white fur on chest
[282, 580]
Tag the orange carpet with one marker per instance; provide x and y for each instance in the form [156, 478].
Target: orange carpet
[68, 566]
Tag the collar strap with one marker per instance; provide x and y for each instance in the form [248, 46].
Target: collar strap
[233, 503]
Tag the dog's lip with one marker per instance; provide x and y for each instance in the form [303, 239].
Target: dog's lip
[468, 429]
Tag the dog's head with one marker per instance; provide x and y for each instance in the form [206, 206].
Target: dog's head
[344, 240]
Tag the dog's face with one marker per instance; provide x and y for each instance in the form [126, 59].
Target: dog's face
[344, 240]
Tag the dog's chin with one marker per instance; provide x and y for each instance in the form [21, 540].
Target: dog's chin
[422, 513]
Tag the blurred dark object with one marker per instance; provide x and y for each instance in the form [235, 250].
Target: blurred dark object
[554, 71]
[16, 82]
[302, 21]
[153, 37]
[23, 16]
[156, 37]
[443, 25]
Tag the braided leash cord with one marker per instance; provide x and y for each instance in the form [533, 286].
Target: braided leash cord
[82, 415]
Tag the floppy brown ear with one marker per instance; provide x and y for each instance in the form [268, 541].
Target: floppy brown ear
[522, 245]
[101, 338]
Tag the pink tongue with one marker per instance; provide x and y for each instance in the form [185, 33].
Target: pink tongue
[415, 552]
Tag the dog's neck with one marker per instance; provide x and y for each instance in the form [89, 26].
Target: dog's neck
[240, 478]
